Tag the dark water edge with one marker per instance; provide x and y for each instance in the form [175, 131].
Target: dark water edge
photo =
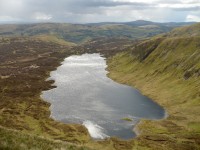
[85, 95]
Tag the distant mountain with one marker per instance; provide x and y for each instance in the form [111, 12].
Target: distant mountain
[138, 23]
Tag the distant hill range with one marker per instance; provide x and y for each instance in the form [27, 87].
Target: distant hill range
[78, 33]
[138, 23]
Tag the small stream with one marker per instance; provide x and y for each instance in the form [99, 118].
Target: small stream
[85, 95]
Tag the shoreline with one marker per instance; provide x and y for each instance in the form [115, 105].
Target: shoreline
[135, 128]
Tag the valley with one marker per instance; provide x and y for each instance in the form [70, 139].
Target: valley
[165, 67]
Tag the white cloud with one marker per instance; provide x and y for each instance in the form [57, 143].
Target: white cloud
[192, 18]
[42, 16]
[143, 1]
[8, 19]
[81, 11]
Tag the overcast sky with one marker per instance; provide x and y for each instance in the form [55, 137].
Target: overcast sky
[84, 11]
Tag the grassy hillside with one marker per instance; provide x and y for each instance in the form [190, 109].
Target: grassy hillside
[167, 69]
[54, 39]
[77, 33]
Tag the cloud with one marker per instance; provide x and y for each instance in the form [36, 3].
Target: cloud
[107, 3]
[8, 19]
[81, 11]
[41, 16]
[181, 6]
[191, 18]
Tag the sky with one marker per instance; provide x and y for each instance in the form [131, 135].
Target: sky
[89, 11]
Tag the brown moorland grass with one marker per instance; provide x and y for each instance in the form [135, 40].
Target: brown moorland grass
[25, 64]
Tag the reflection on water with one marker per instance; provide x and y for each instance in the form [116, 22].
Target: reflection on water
[85, 95]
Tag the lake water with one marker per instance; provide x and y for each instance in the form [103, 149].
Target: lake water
[85, 95]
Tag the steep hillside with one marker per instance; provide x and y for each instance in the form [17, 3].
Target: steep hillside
[186, 31]
[167, 69]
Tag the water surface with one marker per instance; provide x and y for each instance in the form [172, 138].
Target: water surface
[85, 95]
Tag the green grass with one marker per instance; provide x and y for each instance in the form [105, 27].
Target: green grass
[54, 39]
[15, 140]
[194, 126]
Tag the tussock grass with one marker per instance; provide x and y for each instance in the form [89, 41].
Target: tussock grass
[15, 140]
